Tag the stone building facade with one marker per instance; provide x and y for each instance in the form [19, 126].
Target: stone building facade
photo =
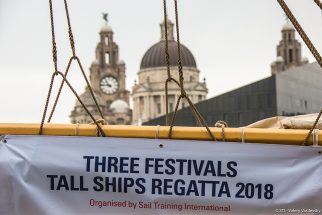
[294, 88]
[288, 51]
[148, 94]
[107, 79]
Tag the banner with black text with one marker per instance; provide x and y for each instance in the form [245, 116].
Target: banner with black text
[50, 175]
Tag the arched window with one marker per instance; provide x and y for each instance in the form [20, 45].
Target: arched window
[120, 121]
[107, 57]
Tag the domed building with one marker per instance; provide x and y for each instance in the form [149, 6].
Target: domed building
[107, 79]
[294, 88]
[148, 94]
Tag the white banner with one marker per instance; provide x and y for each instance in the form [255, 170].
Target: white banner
[87, 175]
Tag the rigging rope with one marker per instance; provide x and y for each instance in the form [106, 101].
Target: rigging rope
[74, 57]
[96, 122]
[56, 72]
[167, 60]
[311, 130]
[183, 94]
[54, 47]
[318, 3]
[70, 33]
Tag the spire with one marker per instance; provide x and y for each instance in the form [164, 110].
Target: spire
[105, 17]
[106, 28]
[170, 30]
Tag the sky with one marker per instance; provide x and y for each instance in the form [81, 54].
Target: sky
[233, 42]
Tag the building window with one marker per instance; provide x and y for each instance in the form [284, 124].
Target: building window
[157, 103]
[305, 104]
[226, 117]
[158, 108]
[239, 118]
[290, 53]
[170, 107]
[107, 58]
[289, 37]
[141, 100]
[199, 98]
[171, 101]
[268, 100]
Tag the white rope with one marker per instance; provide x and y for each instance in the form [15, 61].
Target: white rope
[77, 129]
[157, 132]
[243, 134]
[316, 137]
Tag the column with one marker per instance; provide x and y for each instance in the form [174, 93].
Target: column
[135, 110]
[151, 106]
[146, 108]
[162, 101]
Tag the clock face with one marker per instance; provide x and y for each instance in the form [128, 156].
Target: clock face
[109, 85]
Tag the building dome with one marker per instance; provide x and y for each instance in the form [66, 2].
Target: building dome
[95, 62]
[121, 62]
[88, 100]
[304, 60]
[119, 106]
[288, 26]
[155, 56]
[279, 59]
[106, 28]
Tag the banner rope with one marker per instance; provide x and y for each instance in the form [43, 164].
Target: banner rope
[222, 124]
[243, 134]
[157, 130]
[316, 137]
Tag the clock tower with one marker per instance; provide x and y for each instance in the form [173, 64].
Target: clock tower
[107, 78]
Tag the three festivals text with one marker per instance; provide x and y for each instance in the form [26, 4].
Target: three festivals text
[161, 176]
